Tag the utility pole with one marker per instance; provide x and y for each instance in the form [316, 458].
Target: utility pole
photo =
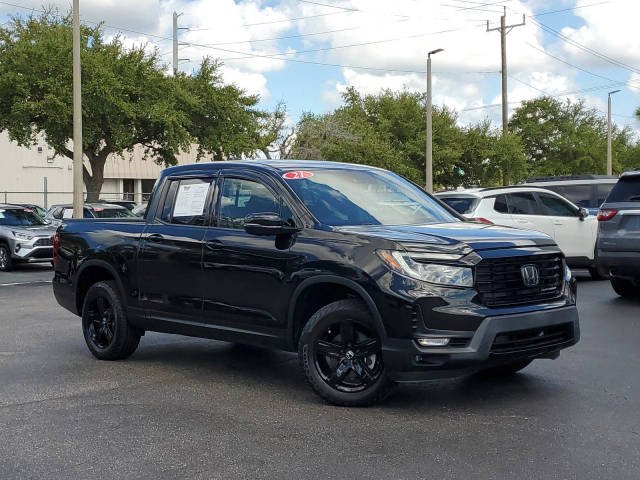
[429, 152]
[78, 198]
[504, 29]
[176, 59]
[609, 155]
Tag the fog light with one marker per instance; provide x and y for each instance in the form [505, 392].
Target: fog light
[433, 342]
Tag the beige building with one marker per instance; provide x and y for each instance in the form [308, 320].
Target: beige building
[36, 175]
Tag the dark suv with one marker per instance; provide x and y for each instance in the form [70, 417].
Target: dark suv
[619, 235]
[370, 279]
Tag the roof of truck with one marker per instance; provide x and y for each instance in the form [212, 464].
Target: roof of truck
[274, 165]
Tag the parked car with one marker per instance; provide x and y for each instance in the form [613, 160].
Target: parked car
[128, 204]
[37, 209]
[532, 208]
[365, 275]
[139, 210]
[619, 236]
[24, 237]
[57, 213]
[587, 191]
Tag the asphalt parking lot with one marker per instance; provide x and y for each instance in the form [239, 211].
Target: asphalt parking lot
[189, 408]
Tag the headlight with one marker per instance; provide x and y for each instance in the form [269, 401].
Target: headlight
[440, 274]
[22, 236]
[567, 273]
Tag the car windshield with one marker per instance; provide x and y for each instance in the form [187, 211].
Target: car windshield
[340, 197]
[460, 204]
[111, 212]
[19, 217]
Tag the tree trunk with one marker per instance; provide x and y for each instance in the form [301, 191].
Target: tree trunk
[94, 181]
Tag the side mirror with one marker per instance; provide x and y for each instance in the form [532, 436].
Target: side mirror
[583, 213]
[267, 224]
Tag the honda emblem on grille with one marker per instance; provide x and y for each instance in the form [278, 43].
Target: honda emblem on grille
[530, 275]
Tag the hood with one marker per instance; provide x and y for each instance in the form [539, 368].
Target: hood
[454, 235]
[35, 230]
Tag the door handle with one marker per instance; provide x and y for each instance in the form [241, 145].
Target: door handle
[558, 222]
[213, 244]
[155, 237]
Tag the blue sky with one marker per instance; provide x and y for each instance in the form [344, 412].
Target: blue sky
[597, 38]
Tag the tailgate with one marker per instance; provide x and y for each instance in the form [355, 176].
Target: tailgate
[622, 232]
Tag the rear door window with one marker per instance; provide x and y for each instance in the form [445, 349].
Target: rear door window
[190, 201]
[626, 190]
[500, 204]
[523, 204]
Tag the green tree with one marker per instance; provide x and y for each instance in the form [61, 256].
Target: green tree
[127, 99]
[385, 130]
[567, 137]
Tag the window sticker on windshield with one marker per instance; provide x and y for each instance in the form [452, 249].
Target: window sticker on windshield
[297, 175]
[190, 200]
[68, 213]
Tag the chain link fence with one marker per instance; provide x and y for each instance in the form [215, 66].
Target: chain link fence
[46, 198]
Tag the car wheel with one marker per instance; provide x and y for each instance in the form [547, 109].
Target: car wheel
[505, 370]
[625, 288]
[595, 274]
[104, 323]
[6, 263]
[341, 354]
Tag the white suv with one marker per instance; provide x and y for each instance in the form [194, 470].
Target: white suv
[572, 228]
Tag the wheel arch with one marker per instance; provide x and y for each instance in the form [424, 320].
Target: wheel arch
[91, 272]
[316, 292]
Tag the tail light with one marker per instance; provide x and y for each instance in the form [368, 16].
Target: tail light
[56, 246]
[605, 214]
[482, 220]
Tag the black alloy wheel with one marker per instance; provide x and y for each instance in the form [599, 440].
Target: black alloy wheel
[348, 356]
[340, 352]
[101, 326]
[104, 323]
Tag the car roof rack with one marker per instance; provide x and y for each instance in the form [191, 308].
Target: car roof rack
[586, 176]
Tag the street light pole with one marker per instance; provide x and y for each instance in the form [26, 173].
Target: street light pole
[78, 199]
[429, 153]
[609, 156]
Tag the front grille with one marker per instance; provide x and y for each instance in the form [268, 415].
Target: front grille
[499, 281]
[44, 253]
[44, 242]
[532, 339]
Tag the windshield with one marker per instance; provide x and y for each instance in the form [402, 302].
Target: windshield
[19, 217]
[461, 204]
[364, 197]
[113, 212]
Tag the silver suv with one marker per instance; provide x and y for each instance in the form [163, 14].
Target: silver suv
[24, 237]
[618, 246]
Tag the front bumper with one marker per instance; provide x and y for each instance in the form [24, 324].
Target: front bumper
[497, 341]
[30, 251]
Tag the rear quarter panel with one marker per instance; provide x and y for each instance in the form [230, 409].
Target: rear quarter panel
[107, 243]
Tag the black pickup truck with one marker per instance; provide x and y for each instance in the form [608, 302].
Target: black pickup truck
[370, 279]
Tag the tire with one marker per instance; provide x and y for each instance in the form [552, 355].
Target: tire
[340, 353]
[625, 288]
[595, 274]
[104, 323]
[6, 263]
[506, 370]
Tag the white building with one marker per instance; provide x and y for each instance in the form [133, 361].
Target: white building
[36, 175]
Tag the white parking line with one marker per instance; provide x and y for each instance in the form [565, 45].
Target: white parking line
[24, 283]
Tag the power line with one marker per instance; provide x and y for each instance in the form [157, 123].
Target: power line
[549, 12]
[584, 48]
[348, 9]
[310, 62]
